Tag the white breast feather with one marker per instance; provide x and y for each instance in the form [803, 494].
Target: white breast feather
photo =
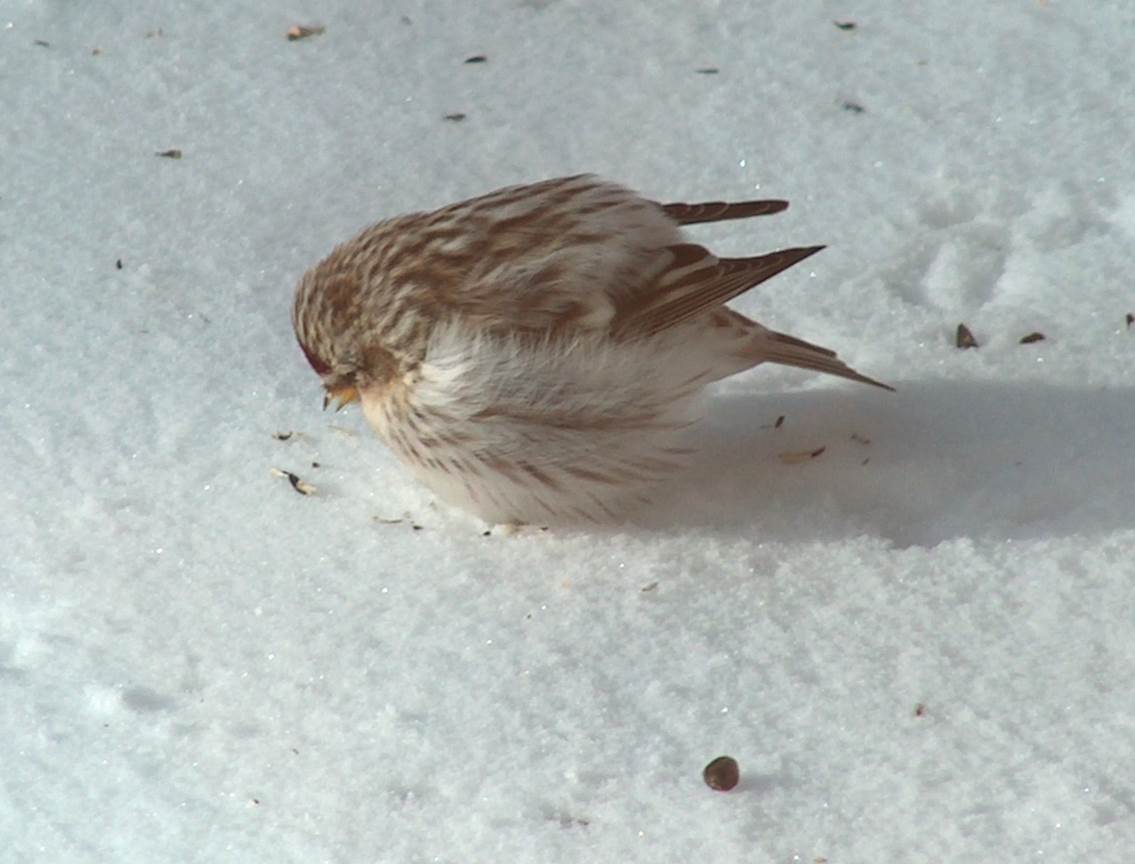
[574, 428]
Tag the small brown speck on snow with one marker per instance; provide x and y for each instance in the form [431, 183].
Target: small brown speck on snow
[300, 485]
[800, 456]
[299, 31]
[963, 338]
[722, 774]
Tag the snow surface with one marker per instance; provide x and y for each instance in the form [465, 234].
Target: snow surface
[198, 664]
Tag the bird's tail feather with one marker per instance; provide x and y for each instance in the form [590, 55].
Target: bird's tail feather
[790, 351]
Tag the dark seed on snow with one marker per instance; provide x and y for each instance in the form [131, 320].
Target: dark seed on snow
[722, 773]
[964, 338]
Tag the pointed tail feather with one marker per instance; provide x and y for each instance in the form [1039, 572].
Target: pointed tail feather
[790, 351]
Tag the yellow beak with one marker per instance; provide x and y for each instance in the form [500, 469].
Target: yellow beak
[342, 396]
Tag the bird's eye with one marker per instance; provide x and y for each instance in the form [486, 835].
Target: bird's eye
[317, 364]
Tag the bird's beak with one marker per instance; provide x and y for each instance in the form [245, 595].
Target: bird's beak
[341, 396]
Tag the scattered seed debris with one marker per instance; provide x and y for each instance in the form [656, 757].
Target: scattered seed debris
[155, 34]
[118, 264]
[919, 710]
[845, 25]
[722, 773]
[42, 43]
[1032, 337]
[567, 821]
[860, 439]
[853, 107]
[775, 425]
[384, 520]
[707, 70]
[646, 589]
[301, 486]
[255, 801]
[489, 533]
[282, 436]
[1130, 320]
[95, 52]
[964, 338]
[173, 153]
[456, 117]
[477, 58]
[298, 31]
[799, 456]
[316, 465]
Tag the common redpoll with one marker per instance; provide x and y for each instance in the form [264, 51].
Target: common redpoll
[536, 355]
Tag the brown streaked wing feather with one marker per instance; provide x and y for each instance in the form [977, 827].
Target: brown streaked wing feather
[697, 281]
[719, 211]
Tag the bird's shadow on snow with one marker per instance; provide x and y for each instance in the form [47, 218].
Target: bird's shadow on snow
[932, 462]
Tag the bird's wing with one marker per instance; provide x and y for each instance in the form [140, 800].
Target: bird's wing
[581, 253]
[719, 211]
[696, 281]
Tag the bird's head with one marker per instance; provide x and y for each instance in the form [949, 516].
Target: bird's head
[323, 318]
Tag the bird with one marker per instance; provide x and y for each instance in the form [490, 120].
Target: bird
[538, 355]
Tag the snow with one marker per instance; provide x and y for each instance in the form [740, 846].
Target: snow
[918, 645]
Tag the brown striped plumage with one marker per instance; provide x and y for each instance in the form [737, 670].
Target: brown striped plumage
[535, 354]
